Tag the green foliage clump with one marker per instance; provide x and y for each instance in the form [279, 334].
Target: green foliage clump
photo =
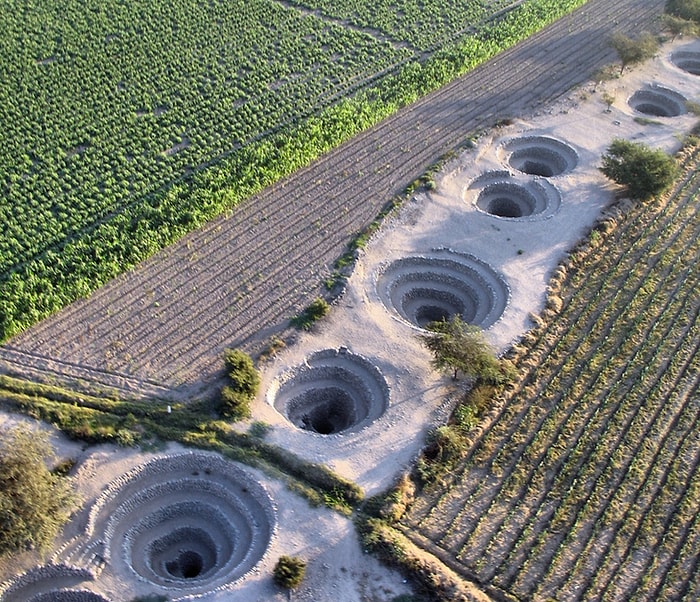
[633, 51]
[316, 310]
[34, 502]
[244, 382]
[646, 172]
[394, 505]
[459, 346]
[445, 446]
[685, 9]
[289, 571]
[678, 26]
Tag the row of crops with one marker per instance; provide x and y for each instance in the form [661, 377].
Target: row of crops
[587, 484]
[425, 25]
[127, 124]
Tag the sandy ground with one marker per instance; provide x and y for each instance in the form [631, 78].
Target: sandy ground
[524, 251]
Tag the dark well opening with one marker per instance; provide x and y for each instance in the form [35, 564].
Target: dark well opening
[653, 109]
[330, 416]
[536, 168]
[505, 207]
[187, 565]
[431, 313]
[324, 410]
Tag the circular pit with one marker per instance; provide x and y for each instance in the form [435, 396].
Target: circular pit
[438, 287]
[333, 392]
[539, 156]
[658, 101]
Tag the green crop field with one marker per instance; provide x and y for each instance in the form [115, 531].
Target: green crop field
[585, 485]
[127, 124]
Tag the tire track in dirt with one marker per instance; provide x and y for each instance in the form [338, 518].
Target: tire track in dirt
[241, 277]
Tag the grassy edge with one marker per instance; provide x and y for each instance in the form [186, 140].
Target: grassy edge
[95, 420]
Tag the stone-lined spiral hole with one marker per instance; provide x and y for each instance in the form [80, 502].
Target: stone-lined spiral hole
[539, 156]
[687, 60]
[658, 101]
[191, 522]
[515, 199]
[333, 392]
[184, 553]
[438, 287]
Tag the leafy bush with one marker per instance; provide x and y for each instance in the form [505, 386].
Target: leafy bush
[289, 571]
[243, 386]
[459, 346]
[644, 171]
[445, 446]
[685, 9]
[234, 404]
[34, 503]
[633, 51]
[678, 26]
[315, 311]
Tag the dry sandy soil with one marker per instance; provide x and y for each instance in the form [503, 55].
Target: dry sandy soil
[524, 251]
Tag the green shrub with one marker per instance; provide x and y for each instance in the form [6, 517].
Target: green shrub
[234, 404]
[685, 9]
[315, 311]
[34, 503]
[644, 171]
[289, 571]
[241, 370]
[633, 51]
[244, 382]
[445, 446]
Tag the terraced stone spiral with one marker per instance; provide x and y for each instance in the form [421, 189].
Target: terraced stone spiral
[190, 522]
[539, 155]
[658, 101]
[441, 285]
[687, 60]
[333, 392]
[503, 195]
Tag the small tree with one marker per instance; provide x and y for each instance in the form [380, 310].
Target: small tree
[608, 99]
[633, 51]
[644, 171]
[243, 386]
[677, 26]
[289, 572]
[459, 346]
[34, 502]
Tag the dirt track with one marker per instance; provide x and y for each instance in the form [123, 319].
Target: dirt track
[161, 328]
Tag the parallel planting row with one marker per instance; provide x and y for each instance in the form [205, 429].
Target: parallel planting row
[586, 486]
[126, 126]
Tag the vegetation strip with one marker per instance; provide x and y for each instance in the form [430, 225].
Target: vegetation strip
[97, 420]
